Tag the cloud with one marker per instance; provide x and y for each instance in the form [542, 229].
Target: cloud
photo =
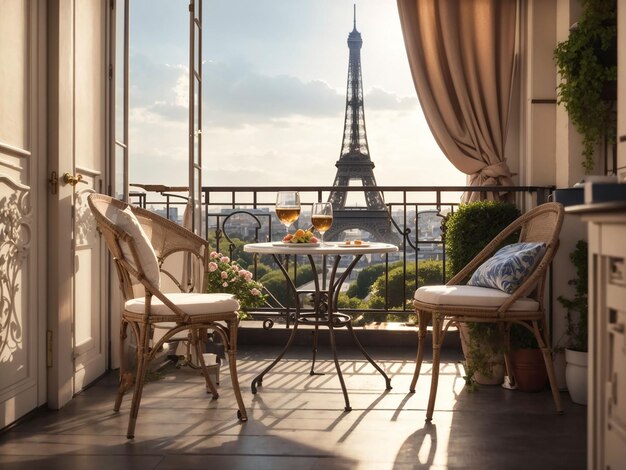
[262, 129]
[153, 82]
[235, 95]
[379, 99]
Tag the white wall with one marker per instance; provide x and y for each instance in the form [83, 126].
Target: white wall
[537, 166]
[550, 148]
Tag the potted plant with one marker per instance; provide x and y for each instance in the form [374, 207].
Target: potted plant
[466, 232]
[483, 349]
[587, 64]
[577, 310]
[226, 275]
[527, 363]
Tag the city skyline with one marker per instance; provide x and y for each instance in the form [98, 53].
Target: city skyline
[274, 94]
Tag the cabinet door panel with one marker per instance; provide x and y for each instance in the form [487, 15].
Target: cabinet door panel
[616, 395]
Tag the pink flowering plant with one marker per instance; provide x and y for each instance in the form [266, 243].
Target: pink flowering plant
[227, 276]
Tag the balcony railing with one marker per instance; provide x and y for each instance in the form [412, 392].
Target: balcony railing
[234, 216]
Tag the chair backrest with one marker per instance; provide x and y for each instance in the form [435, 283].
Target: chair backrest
[541, 224]
[165, 238]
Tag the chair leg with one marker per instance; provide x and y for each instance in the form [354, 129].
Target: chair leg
[126, 382]
[218, 366]
[547, 357]
[143, 354]
[126, 378]
[210, 388]
[437, 340]
[510, 379]
[423, 319]
[232, 364]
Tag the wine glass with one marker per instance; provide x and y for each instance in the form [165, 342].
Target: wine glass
[288, 207]
[322, 217]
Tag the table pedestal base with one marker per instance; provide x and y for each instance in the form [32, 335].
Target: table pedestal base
[336, 320]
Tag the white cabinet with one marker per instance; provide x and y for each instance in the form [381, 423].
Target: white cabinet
[606, 426]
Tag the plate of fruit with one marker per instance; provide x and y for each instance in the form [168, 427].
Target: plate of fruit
[300, 238]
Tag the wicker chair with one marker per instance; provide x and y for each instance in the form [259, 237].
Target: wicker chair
[139, 242]
[454, 302]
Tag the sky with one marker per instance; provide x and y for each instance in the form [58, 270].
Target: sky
[274, 91]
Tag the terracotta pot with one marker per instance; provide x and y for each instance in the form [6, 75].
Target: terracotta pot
[529, 369]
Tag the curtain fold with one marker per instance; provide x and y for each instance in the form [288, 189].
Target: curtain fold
[462, 57]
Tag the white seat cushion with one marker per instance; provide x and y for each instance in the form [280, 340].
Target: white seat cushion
[471, 296]
[190, 303]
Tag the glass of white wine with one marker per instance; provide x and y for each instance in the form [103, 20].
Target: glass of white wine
[322, 217]
[288, 207]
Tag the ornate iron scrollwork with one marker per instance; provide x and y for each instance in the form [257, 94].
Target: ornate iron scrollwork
[15, 238]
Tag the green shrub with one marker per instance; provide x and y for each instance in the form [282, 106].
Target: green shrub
[345, 301]
[430, 273]
[261, 269]
[275, 282]
[361, 286]
[375, 302]
[471, 227]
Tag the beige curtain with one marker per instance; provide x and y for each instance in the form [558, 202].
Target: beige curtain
[462, 56]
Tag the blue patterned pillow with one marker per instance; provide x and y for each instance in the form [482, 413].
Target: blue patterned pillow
[508, 268]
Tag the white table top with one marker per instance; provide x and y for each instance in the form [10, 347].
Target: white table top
[329, 248]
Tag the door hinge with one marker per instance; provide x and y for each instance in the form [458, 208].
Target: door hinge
[110, 71]
[54, 182]
[49, 349]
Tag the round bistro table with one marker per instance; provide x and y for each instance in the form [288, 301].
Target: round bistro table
[324, 311]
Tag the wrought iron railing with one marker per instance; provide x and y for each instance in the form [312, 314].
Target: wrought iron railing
[236, 215]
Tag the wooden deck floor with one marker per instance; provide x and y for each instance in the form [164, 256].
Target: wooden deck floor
[297, 421]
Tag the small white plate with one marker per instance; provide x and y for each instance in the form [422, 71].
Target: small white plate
[353, 245]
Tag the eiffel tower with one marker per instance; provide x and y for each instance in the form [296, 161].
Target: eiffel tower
[354, 162]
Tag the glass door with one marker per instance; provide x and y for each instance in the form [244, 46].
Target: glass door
[118, 74]
[195, 115]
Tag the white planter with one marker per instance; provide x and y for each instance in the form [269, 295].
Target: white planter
[576, 375]
[495, 365]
